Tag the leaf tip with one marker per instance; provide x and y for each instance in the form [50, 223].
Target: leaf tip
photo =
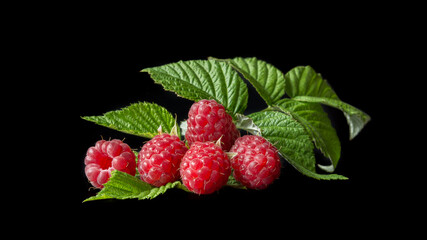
[87, 118]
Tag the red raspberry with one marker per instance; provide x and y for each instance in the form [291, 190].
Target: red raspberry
[208, 121]
[159, 159]
[205, 168]
[257, 163]
[105, 157]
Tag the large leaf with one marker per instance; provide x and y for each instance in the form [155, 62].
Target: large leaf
[292, 141]
[304, 84]
[141, 119]
[317, 124]
[203, 79]
[267, 80]
[124, 186]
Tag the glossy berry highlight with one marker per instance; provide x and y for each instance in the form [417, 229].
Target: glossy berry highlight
[208, 121]
[257, 163]
[159, 159]
[205, 168]
[105, 157]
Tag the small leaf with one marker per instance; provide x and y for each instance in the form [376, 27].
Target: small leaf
[292, 141]
[121, 186]
[304, 84]
[317, 124]
[175, 129]
[203, 79]
[183, 126]
[156, 191]
[141, 119]
[124, 186]
[267, 80]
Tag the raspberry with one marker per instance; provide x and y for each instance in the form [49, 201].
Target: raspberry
[159, 159]
[257, 163]
[205, 168]
[208, 121]
[105, 157]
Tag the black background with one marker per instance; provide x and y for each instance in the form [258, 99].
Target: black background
[102, 73]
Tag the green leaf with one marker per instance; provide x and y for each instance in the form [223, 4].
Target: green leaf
[121, 186]
[203, 79]
[316, 122]
[267, 80]
[124, 186]
[141, 119]
[292, 141]
[304, 84]
[156, 191]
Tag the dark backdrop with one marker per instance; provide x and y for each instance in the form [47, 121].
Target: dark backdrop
[103, 75]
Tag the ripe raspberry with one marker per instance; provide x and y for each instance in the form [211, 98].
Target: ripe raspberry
[208, 121]
[105, 157]
[159, 159]
[257, 163]
[205, 168]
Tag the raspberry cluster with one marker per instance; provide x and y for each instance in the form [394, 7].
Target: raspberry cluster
[204, 167]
